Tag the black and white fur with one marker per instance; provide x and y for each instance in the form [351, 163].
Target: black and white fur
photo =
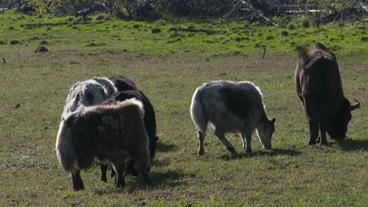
[231, 107]
[106, 134]
[88, 93]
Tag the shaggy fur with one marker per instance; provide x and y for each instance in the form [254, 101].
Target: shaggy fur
[96, 90]
[149, 123]
[149, 116]
[123, 83]
[88, 93]
[231, 107]
[111, 134]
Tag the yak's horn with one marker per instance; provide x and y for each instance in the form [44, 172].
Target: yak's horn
[354, 106]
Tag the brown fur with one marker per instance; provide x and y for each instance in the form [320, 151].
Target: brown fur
[111, 134]
[319, 88]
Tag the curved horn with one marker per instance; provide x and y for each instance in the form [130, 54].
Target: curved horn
[355, 106]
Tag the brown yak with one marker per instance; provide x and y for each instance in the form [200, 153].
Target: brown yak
[319, 87]
[107, 134]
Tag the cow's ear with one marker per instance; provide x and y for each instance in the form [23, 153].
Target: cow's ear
[273, 120]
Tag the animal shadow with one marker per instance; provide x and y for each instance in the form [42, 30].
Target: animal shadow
[273, 152]
[161, 162]
[162, 147]
[353, 145]
[276, 151]
[169, 178]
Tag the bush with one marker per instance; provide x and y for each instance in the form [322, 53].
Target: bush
[196, 8]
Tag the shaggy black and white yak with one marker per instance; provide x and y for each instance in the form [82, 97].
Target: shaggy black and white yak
[96, 90]
[108, 134]
[149, 123]
[231, 107]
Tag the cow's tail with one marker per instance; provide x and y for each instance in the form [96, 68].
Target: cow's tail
[198, 113]
[65, 150]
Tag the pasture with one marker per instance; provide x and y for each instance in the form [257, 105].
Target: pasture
[168, 60]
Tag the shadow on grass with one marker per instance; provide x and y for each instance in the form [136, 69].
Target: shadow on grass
[162, 147]
[161, 162]
[169, 178]
[353, 145]
[273, 152]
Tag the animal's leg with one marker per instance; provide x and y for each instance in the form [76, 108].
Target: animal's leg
[130, 168]
[143, 167]
[103, 172]
[323, 129]
[119, 169]
[112, 174]
[77, 181]
[313, 128]
[227, 144]
[247, 142]
[118, 157]
[312, 119]
[201, 143]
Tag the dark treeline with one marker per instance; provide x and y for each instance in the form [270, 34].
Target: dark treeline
[152, 9]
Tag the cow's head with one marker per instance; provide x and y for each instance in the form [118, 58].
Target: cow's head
[338, 127]
[265, 132]
[86, 95]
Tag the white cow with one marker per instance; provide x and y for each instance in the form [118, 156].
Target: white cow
[231, 107]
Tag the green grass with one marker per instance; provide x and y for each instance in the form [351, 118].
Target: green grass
[292, 174]
[178, 36]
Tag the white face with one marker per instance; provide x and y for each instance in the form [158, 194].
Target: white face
[265, 133]
[82, 99]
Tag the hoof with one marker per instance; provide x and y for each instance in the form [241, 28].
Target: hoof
[112, 174]
[120, 185]
[312, 142]
[234, 155]
[248, 151]
[78, 188]
[104, 179]
[324, 142]
[149, 183]
[201, 152]
[232, 152]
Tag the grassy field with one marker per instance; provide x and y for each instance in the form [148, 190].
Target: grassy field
[168, 66]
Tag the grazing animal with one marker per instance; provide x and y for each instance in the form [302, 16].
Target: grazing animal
[149, 123]
[319, 88]
[94, 91]
[108, 134]
[231, 107]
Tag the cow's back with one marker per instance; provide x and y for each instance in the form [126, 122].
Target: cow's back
[230, 105]
[318, 78]
[99, 129]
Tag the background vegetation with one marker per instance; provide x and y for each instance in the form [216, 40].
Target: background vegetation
[168, 59]
[187, 8]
